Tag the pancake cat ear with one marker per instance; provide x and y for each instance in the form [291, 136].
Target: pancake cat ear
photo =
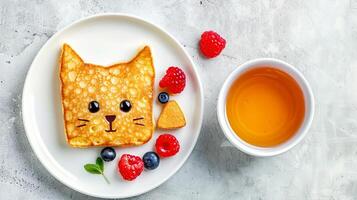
[141, 66]
[70, 59]
[143, 62]
[70, 63]
[143, 55]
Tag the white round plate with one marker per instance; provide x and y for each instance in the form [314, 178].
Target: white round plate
[106, 39]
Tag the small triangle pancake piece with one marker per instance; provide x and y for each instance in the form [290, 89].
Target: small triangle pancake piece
[171, 116]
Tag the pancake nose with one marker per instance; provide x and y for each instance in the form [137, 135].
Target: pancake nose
[110, 118]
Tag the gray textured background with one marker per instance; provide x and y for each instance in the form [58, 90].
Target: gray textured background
[319, 37]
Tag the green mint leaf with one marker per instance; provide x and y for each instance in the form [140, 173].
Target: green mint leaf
[93, 169]
[97, 168]
[100, 163]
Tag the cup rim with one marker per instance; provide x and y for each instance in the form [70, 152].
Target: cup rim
[287, 145]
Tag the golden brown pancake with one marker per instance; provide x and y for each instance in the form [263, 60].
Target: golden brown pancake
[171, 116]
[107, 106]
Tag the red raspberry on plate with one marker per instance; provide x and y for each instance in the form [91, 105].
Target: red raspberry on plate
[130, 166]
[174, 80]
[167, 145]
[211, 44]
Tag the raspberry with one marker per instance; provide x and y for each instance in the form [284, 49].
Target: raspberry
[174, 80]
[211, 44]
[130, 166]
[167, 145]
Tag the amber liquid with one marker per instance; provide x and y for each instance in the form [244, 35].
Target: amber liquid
[265, 107]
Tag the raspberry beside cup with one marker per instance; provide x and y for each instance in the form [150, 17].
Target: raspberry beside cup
[211, 44]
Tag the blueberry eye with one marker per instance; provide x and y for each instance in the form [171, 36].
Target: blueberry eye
[93, 106]
[125, 106]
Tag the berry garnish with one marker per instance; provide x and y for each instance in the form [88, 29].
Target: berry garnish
[174, 80]
[108, 154]
[163, 97]
[151, 160]
[211, 44]
[167, 145]
[130, 166]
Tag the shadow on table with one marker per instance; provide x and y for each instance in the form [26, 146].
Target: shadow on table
[218, 151]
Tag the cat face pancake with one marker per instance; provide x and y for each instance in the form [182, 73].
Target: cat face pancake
[107, 106]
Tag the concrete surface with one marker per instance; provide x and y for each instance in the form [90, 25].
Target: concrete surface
[319, 37]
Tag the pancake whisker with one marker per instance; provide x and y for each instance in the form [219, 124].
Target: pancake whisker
[139, 118]
[85, 120]
[139, 124]
[81, 125]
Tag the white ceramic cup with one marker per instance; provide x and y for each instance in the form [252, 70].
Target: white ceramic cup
[301, 132]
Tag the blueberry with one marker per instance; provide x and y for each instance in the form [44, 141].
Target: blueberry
[108, 154]
[151, 160]
[163, 97]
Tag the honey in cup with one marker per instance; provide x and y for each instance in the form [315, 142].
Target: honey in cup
[265, 106]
